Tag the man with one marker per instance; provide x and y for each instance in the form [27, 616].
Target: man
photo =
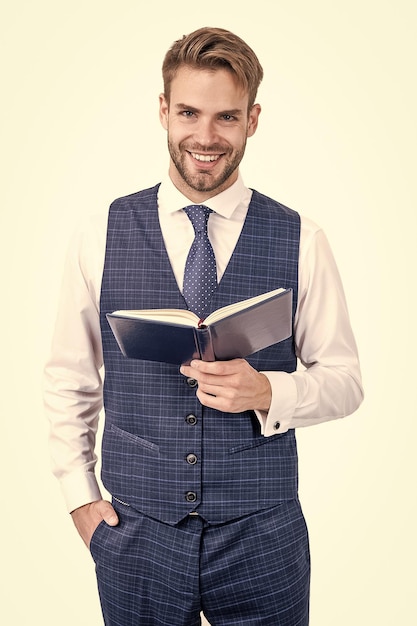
[201, 463]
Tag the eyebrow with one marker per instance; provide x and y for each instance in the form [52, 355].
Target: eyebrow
[186, 107]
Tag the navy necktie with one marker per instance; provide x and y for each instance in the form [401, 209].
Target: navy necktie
[200, 275]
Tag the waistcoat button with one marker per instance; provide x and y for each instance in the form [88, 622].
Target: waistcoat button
[191, 459]
[191, 382]
[191, 419]
[191, 496]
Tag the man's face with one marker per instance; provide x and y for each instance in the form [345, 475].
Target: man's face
[208, 123]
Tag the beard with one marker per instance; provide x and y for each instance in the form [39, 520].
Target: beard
[206, 181]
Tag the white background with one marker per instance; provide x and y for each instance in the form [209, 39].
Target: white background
[337, 141]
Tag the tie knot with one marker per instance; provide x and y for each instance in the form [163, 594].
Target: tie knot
[198, 215]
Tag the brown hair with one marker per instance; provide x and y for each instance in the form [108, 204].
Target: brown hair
[214, 48]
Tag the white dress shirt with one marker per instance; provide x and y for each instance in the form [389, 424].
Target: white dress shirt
[326, 386]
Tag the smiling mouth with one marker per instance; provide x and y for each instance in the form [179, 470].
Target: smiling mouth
[205, 158]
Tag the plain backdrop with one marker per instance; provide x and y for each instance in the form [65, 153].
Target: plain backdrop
[337, 142]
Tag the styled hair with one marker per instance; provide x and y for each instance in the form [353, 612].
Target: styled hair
[213, 49]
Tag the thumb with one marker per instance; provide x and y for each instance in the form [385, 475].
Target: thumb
[108, 513]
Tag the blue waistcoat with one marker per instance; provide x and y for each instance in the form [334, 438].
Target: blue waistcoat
[163, 452]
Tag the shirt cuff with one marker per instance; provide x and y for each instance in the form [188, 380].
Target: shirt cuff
[80, 488]
[278, 419]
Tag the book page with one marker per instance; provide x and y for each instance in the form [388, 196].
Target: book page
[240, 306]
[171, 316]
[188, 318]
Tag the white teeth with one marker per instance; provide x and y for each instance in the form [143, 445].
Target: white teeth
[205, 157]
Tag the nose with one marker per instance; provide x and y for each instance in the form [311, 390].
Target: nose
[205, 132]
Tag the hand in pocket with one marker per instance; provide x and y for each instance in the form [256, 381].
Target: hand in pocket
[87, 518]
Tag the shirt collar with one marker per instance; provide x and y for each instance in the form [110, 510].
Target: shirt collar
[170, 199]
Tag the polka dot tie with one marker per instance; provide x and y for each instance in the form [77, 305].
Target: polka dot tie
[200, 276]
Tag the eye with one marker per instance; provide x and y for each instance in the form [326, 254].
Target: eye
[187, 113]
[228, 118]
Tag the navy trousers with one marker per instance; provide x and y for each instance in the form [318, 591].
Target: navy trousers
[251, 571]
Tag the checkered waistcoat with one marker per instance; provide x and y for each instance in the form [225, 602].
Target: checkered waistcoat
[163, 452]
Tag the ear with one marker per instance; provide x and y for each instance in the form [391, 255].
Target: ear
[253, 119]
[163, 111]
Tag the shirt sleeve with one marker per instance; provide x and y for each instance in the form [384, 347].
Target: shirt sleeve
[327, 385]
[72, 380]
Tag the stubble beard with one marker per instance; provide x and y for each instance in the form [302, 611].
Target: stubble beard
[206, 181]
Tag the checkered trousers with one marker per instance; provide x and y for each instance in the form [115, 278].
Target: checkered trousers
[252, 571]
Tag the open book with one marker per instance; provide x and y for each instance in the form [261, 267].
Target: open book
[178, 336]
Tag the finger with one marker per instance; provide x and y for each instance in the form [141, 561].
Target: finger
[107, 512]
[217, 368]
[213, 388]
[226, 405]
